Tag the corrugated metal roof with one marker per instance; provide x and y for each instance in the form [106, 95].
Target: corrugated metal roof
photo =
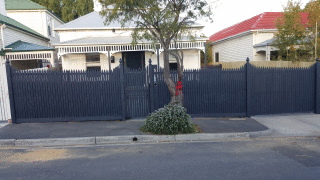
[11, 22]
[265, 20]
[93, 20]
[268, 42]
[99, 40]
[25, 46]
[27, 5]
[22, 5]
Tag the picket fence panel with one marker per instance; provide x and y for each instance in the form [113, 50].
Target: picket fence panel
[48, 96]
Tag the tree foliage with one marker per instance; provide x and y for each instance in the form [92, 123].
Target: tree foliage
[313, 10]
[291, 33]
[159, 21]
[67, 10]
[297, 39]
[208, 54]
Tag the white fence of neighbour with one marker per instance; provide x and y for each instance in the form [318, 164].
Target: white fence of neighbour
[4, 96]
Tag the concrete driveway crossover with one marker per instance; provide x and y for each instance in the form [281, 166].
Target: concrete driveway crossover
[302, 124]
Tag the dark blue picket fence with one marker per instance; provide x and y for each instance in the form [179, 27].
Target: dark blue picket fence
[66, 96]
[212, 92]
[284, 90]
[48, 96]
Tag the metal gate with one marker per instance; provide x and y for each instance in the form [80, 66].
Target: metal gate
[136, 92]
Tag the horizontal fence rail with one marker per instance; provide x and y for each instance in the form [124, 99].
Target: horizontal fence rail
[47, 96]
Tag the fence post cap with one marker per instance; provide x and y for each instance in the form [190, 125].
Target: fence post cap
[247, 59]
[150, 61]
[317, 59]
[120, 61]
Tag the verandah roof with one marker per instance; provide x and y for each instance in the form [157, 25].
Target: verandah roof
[21, 46]
[21, 50]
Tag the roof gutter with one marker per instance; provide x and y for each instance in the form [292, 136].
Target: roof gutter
[232, 37]
[109, 28]
[265, 30]
[29, 50]
[112, 44]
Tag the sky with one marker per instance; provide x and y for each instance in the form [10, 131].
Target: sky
[230, 12]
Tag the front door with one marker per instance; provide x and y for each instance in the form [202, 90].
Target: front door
[134, 60]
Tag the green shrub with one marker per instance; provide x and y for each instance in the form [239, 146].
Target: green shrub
[171, 119]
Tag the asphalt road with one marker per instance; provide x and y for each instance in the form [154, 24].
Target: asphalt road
[281, 158]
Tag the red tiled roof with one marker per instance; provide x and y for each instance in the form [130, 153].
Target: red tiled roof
[262, 21]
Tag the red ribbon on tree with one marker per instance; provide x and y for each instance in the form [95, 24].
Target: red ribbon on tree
[179, 88]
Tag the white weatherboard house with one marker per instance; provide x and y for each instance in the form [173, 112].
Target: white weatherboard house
[34, 16]
[4, 95]
[87, 43]
[23, 46]
[251, 38]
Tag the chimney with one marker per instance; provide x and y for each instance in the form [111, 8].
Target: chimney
[97, 6]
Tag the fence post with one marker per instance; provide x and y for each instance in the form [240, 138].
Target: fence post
[205, 56]
[151, 86]
[123, 99]
[10, 91]
[248, 87]
[317, 88]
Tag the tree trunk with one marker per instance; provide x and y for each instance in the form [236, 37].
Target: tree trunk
[179, 86]
[177, 99]
[175, 89]
[166, 73]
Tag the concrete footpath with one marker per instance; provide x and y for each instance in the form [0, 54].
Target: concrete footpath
[112, 132]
